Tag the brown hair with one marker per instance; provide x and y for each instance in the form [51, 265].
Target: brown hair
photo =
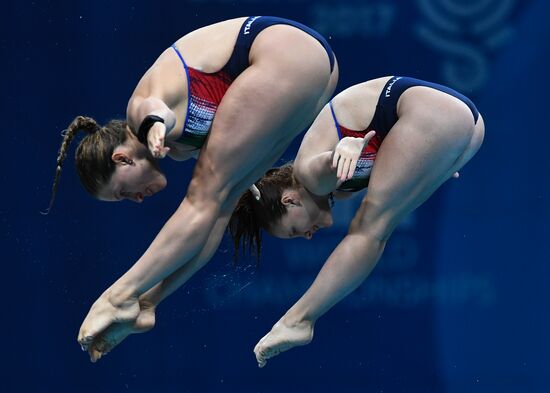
[93, 154]
[251, 215]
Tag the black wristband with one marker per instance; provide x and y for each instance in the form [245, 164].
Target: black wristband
[146, 125]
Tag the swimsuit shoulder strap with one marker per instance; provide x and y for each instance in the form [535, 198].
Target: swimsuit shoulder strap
[335, 120]
[180, 56]
[189, 95]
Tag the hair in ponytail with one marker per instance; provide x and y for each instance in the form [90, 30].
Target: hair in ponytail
[251, 215]
[93, 154]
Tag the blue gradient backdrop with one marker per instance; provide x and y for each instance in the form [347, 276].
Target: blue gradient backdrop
[459, 302]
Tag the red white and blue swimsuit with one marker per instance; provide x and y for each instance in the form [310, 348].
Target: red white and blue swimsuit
[206, 90]
[383, 120]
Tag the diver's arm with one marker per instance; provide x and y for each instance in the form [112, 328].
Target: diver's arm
[141, 107]
[171, 283]
[151, 120]
[316, 173]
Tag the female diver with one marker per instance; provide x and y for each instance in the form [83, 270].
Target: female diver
[401, 137]
[265, 79]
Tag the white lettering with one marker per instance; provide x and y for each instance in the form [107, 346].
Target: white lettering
[388, 89]
[248, 24]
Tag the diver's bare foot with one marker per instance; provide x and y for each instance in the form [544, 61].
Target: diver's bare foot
[282, 337]
[102, 314]
[106, 341]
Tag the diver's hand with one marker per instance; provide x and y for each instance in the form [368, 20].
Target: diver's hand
[155, 140]
[347, 153]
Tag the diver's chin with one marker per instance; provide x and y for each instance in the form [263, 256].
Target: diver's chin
[158, 185]
[162, 186]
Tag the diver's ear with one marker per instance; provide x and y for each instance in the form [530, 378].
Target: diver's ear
[122, 158]
[291, 198]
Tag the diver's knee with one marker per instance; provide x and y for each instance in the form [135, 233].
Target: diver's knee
[206, 194]
[374, 220]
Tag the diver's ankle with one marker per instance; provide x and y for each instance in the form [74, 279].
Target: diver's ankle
[120, 295]
[294, 321]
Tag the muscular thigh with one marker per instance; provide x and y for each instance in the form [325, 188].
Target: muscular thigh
[254, 175]
[417, 156]
[264, 109]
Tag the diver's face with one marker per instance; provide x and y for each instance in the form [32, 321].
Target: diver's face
[137, 175]
[306, 214]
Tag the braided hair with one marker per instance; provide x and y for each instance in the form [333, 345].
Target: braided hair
[93, 154]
